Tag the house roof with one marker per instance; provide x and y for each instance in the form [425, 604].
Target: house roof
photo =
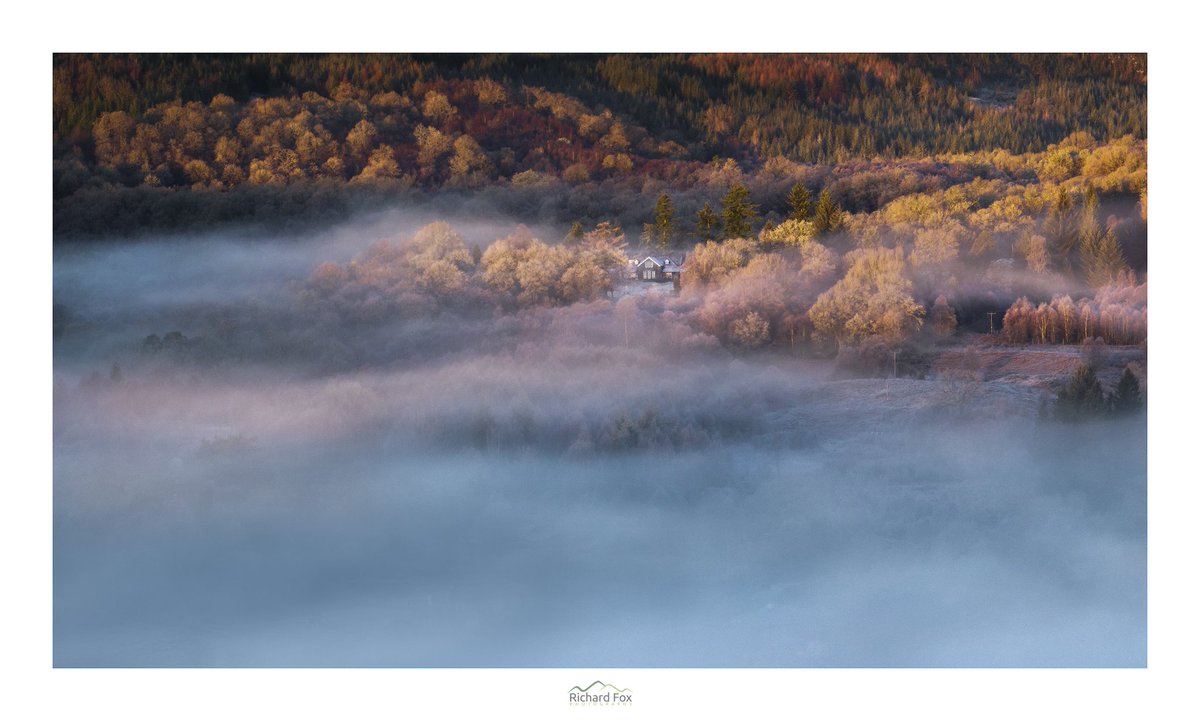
[661, 261]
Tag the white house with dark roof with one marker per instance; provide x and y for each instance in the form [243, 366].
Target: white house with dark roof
[660, 269]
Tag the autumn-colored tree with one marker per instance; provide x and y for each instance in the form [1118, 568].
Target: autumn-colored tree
[584, 279]
[438, 241]
[432, 146]
[942, 318]
[437, 107]
[575, 234]
[112, 134]
[361, 139]
[751, 330]
[1017, 320]
[381, 164]
[198, 172]
[711, 262]
[530, 272]
[1116, 315]
[499, 262]
[617, 164]
[490, 92]
[615, 139]
[441, 277]
[605, 234]
[538, 272]
[937, 244]
[1066, 318]
[750, 302]
[605, 246]
[874, 298]
[791, 232]
[577, 173]
[983, 245]
[470, 166]
[228, 151]
[818, 266]
[1033, 249]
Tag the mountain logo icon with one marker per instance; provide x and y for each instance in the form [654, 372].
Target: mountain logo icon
[599, 693]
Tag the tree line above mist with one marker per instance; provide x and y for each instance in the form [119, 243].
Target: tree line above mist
[294, 132]
[858, 202]
[877, 310]
[822, 276]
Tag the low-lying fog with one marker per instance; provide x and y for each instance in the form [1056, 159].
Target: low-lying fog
[488, 489]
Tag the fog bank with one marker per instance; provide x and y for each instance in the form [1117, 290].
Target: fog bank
[577, 486]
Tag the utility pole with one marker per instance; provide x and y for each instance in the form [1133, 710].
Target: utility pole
[991, 328]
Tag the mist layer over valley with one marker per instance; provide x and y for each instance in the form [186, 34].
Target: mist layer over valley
[256, 467]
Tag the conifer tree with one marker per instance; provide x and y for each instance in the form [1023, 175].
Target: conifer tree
[1082, 397]
[800, 201]
[706, 222]
[1128, 398]
[664, 220]
[1089, 222]
[1103, 260]
[1061, 228]
[828, 217]
[738, 212]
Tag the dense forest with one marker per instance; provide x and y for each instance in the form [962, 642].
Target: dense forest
[824, 201]
[296, 132]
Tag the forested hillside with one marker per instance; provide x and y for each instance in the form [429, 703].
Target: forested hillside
[307, 128]
[833, 200]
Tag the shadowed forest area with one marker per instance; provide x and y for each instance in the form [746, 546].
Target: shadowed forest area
[778, 360]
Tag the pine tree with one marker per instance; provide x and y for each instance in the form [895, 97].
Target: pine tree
[828, 217]
[706, 222]
[1082, 397]
[664, 220]
[1089, 222]
[1128, 398]
[1061, 228]
[1103, 260]
[738, 212]
[800, 201]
